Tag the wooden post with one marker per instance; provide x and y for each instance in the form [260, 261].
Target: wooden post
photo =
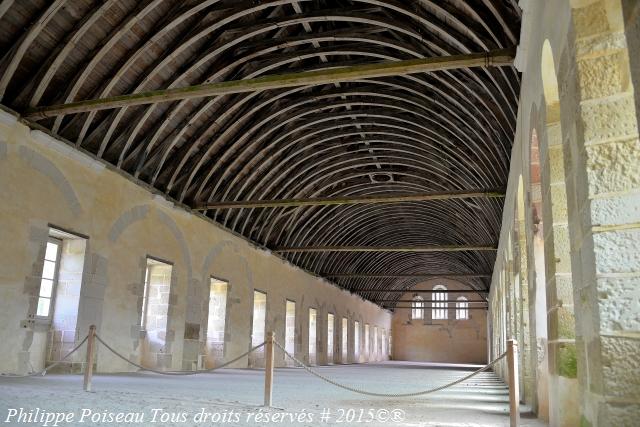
[514, 386]
[268, 371]
[88, 369]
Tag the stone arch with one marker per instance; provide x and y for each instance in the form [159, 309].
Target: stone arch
[197, 299]
[526, 326]
[135, 214]
[141, 212]
[47, 168]
[548, 201]
[216, 250]
[182, 241]
[128, 218]
[533, 271]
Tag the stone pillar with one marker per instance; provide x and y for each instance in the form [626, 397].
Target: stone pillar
[604, 217]
[558, 273]
[527, 351]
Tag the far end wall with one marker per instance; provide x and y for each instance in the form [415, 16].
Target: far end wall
[440, 340]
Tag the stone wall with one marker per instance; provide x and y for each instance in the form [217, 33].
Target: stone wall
[577, 102]
[45, 182]
[447, 341]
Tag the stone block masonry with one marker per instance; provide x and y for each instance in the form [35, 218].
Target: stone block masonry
[124, 223]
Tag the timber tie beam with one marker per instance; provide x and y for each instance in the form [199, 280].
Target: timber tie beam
[493, 58]
[423, 291]
[405, 276]
[429, 308]
[328, 201]
[427, 300]
[449, 248]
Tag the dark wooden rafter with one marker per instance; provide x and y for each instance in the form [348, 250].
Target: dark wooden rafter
[318, 144]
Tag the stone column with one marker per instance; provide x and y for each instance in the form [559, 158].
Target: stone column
[554, 228]
[527, 352]
[604, 217]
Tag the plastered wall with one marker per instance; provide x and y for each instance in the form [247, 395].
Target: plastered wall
[44, 182]
[446, 341]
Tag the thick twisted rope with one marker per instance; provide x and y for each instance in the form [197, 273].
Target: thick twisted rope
[203, 371]
[368, 393]
[44, 371]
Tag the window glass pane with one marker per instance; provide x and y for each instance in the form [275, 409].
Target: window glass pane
[49, 269]
[46, 286]
[51, 252]
[43, 306]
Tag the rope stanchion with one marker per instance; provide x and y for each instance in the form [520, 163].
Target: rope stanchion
[395, 395]
[53, 365]
[514, 385]
[268, 369]
[88, 368]
[203, 371]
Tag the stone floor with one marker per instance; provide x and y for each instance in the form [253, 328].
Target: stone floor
[234, 396]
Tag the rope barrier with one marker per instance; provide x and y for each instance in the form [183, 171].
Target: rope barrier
[203, 371]
[297, 361]
[367, 393]
[44, 371]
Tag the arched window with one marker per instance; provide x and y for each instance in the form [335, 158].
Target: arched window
[439, 307]
[417, 307]
[462, 308]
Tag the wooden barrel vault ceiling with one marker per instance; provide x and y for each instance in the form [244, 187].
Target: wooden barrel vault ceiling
[443, 131]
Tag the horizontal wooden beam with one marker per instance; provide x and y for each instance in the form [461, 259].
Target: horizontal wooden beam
[427, 301]
[404, 276]
[449, 248]
[430, 308]
[353, 200]
[499, 57]
[423, 291]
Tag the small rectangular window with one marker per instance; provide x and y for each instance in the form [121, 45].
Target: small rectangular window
[462, 309]
[330, 325]
[312, 336]
[345, 326]
[439, 308]
[356, 340]
[217, 313]
[290, 330]
[258, 328]
[367, 350]
[417, 308]
[155, 296]
[259, 318]
[49, 279]
[375, 341]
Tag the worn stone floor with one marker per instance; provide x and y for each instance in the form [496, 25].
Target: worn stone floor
[234, 396]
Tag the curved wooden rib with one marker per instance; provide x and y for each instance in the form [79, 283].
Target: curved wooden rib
[448, 131]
